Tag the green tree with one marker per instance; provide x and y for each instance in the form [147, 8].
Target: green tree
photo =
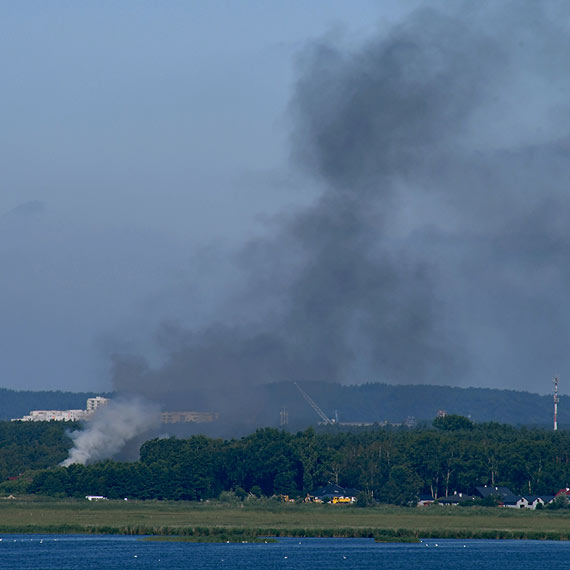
[452, 422]
[403, 486]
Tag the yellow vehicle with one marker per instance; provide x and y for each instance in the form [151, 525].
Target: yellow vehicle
[336, 500]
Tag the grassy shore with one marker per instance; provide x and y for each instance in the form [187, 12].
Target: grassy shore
[240, 522]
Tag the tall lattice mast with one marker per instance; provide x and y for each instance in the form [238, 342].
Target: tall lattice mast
[555, 403]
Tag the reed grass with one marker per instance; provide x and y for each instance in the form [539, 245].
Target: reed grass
[237, 523]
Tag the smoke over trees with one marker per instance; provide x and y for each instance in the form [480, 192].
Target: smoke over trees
[437, 248]
[114, 428]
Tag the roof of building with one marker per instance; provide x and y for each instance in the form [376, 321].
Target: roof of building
[331, 490]
[456, 499]
[504, 494]
[532, 498]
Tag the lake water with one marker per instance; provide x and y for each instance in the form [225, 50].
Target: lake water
[51, 552]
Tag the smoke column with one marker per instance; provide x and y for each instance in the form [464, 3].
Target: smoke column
[112, 427]
[436, 250]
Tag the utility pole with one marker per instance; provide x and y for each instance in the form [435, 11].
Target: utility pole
[283, 417]
[555, 403]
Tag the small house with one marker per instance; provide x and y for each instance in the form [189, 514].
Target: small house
[521, 503]
[535, 500]
[335, 494]
[456, 499]
[425, 500]
[504, 495]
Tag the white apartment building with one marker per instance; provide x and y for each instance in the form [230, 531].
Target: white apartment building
[54, 415]
[94, 403]
[65, 415]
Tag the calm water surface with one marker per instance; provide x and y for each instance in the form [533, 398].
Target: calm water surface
[78, 552]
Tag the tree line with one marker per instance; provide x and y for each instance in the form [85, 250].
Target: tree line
[392, 465]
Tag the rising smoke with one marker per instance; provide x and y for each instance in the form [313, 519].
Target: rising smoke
[437, 249]
[113, 426]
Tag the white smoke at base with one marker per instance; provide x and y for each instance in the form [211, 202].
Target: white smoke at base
[111, 428]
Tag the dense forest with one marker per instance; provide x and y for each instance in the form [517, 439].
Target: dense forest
[27, 446]
[391, 465]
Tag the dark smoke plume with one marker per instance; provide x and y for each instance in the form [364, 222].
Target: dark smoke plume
[438, 248]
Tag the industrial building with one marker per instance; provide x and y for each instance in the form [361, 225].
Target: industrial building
[185, 417]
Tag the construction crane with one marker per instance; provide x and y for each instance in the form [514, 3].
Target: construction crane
[311, 402]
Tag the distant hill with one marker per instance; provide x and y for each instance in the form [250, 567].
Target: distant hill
[16, 403]
[385, 402]
[373, 402]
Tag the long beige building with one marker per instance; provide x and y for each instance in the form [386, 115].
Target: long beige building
[65, 415]
[185, 417]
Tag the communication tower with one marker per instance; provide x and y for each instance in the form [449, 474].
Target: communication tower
[555, 403]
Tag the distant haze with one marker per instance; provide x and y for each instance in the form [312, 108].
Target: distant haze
[395, 212]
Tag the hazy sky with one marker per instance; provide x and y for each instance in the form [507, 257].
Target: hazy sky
[143, 144]
[136, 136]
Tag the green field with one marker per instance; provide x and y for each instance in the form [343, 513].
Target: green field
[237, 521]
